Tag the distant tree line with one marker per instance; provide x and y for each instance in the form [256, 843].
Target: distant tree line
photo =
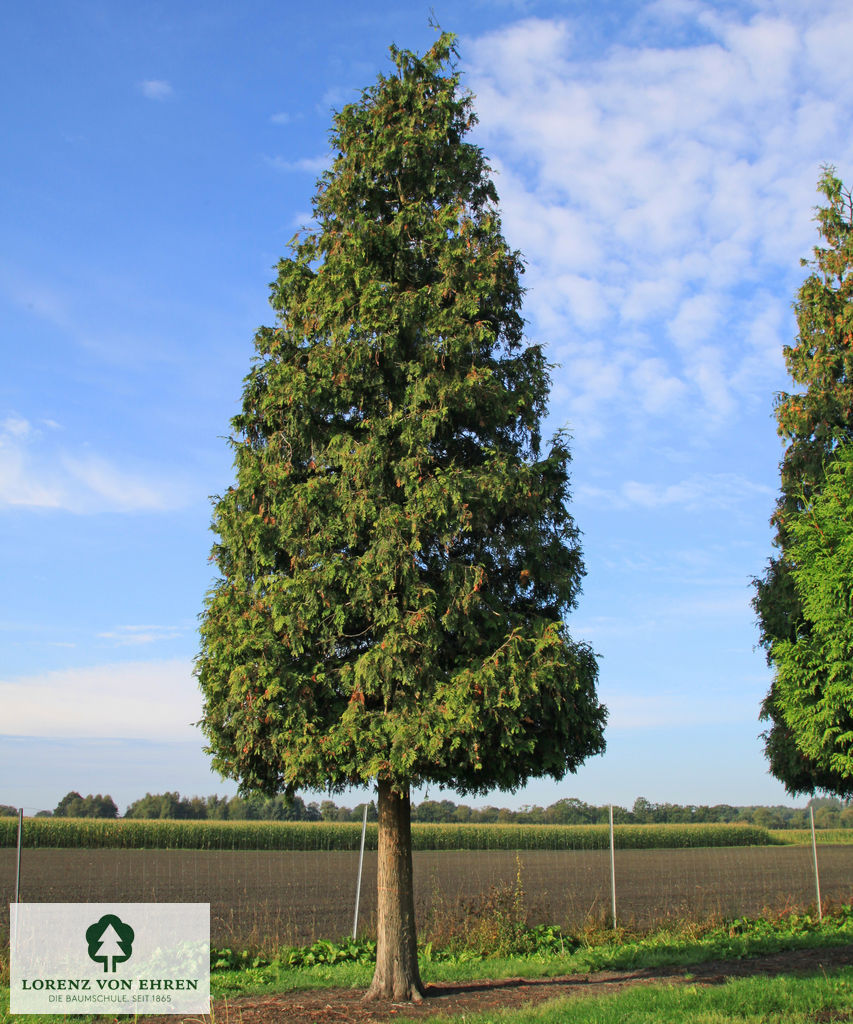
[72, 805]
[828, 812]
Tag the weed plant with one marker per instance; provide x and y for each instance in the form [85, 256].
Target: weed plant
[525, 951]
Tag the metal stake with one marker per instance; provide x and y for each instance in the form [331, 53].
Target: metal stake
[20, 843]
[612, 870]
[816, 872]
[360, 863]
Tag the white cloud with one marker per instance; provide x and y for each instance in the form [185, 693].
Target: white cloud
[827, 45]
[334, 98]
[657, 389]
[20, 484]
[699, 491]
[142, 700]
[695, 321]
[312, 164]
[721, 490]
[156, 89]
[36, 474]
[647, 299]
[765, 331]
[282, 117]
[104, 484]
[657, 186]
[138, 636]
[15, 426]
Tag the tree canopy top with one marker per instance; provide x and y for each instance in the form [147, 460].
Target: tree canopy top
[397, 556]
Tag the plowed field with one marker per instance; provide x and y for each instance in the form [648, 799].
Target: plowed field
[294, 897]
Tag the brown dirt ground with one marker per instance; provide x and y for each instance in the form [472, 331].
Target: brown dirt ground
[344, 1006]
[270, 899]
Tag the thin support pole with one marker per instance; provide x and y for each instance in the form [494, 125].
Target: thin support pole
[816, 872]
[358, 884]
[20, 844]
[612, 870]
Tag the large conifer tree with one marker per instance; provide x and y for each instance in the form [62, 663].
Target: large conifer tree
[396, 557]
[814, 421]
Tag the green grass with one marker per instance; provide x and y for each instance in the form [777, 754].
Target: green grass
[678, 946]
[785, 999]
[348, 965]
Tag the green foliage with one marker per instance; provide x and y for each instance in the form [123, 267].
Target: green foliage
[498, 924]
[134, 834]
[72, 805]
[550, 947]
[814, 671]
[254, 807]
[814, 421]
[323, 951]
[680, 945]
[830, 812]
[173, 805]
[237, 960]
[396, 557]
[358, 951]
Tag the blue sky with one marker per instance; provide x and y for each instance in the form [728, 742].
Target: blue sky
[656, 164]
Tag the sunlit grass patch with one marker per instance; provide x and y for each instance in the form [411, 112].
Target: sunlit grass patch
[787, 999]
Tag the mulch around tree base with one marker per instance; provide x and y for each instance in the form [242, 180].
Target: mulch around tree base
[344, 1006]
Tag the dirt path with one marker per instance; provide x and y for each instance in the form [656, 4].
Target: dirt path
[344, 1006]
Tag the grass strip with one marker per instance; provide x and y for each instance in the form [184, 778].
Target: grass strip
[785, 999]
[348, 964]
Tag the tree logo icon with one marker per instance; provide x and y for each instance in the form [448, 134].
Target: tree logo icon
[110, 941]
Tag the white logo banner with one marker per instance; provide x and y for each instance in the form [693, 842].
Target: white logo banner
[110, 958]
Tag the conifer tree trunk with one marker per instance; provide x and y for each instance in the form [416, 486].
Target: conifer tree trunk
[396, 976]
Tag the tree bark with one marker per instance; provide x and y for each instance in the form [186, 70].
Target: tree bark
[397, 976]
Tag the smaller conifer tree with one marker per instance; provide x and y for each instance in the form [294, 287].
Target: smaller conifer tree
[814, 421]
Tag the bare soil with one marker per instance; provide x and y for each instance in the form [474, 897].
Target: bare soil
[345, 1006]
[271, 899]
